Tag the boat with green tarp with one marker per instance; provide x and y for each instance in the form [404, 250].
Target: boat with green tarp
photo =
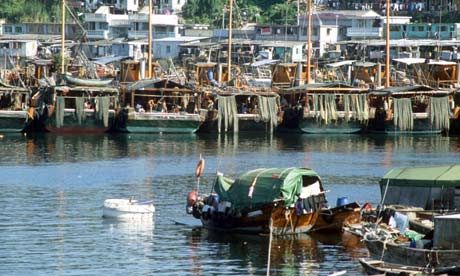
[277, 200]
[416, 109]
[324, 108]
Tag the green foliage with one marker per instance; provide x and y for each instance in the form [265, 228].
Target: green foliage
[18, 11]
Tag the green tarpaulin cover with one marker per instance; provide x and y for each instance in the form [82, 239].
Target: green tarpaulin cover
[270, 185]
[433, 176]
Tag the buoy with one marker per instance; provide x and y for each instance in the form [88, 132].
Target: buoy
[199, 168]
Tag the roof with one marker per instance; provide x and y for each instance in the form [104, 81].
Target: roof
[107, 60]
[410, 61]
[409, 89]
[322, 87]
[340, 63]
[153, 83]
[269, 185]
[432, 176]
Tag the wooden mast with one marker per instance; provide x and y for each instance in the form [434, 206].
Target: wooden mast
[309, 42]
[229, 61]
[150, 40]
[63, 38]
[387, 49]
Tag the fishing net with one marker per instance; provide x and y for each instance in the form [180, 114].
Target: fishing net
[80, 109]
[326, 105]
[356, 107]
[267, 110]
[440, 113]
[59, 110]
[102, 110]
[227, 112]
[403, 117]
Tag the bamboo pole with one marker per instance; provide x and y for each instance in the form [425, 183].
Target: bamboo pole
[63, 38]
[309, 41]
[150, 40]
[229, 64]
[387, 49]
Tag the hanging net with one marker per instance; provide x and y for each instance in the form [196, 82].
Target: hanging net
[80, 109]
[227, 112]
[326, 105]
[403, 117]
[59, 110]
[440, 113]
[267, 110]
[102, 110]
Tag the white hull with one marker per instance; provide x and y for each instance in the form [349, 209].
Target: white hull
[127, 209]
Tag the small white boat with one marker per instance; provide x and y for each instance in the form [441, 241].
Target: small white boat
[127, 208]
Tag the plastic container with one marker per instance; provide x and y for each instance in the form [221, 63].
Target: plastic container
[341, 201]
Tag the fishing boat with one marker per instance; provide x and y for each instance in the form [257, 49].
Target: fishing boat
[336, 218]
[15, 113]
[240, 110]
[79, 109]
[154, 106]
[377, 267]
[324, 108]
[409, 109]
[277, 201]
[127, 208]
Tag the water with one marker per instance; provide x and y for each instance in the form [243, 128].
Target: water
[52, 188]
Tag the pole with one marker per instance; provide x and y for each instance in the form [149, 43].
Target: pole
[63, 38]
[387, 48]
[150, 39]
[309, 41]
[229, 64]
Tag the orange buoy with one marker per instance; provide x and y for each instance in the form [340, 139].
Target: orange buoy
[199, 168]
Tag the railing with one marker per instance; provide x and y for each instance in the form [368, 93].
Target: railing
[98, 34]
[96, 17]
[364, 32]
[144, 34]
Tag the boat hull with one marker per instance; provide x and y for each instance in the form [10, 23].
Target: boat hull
[127, 209]
[246, 123]
[151, 122]
[421, 127]
[71, 125]
[282, 221]
[405, 255]
[13, 121]
[340, 126]
[374, 267]
[334, 219]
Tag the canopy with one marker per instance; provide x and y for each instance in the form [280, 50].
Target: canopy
[269, 185]
[434, 176]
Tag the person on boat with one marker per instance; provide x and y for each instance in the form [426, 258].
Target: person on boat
[139, 108]
[210, 75]
[151, 105]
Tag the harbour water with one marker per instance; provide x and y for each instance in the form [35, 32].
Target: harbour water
[52, 188]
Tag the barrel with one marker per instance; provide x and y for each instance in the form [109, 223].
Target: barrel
[342, 201]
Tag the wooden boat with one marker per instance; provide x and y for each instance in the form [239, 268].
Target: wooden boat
[326, 108]
[403, 254]
[277, 200]
[241, 110]
[375, 267]
[86, 82]
[409, 110]
[15, 113]
[127, 208]
[334, 219]
[81, 109]
[154, 106]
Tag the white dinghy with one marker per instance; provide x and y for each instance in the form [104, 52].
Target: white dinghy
[127, 208]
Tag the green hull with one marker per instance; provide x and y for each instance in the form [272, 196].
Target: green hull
[315, 126]
[71, 125]
[13, 121]
[161, 122]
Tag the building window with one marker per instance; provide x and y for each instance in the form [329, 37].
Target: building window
[443, 28]
[421, 28]
[18, 29]
[328, 31]
[168, 49]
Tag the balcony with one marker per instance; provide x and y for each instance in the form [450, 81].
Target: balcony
[157, 19]
[144, 34]
[98, 34]
[96, 17]
[354, 32]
